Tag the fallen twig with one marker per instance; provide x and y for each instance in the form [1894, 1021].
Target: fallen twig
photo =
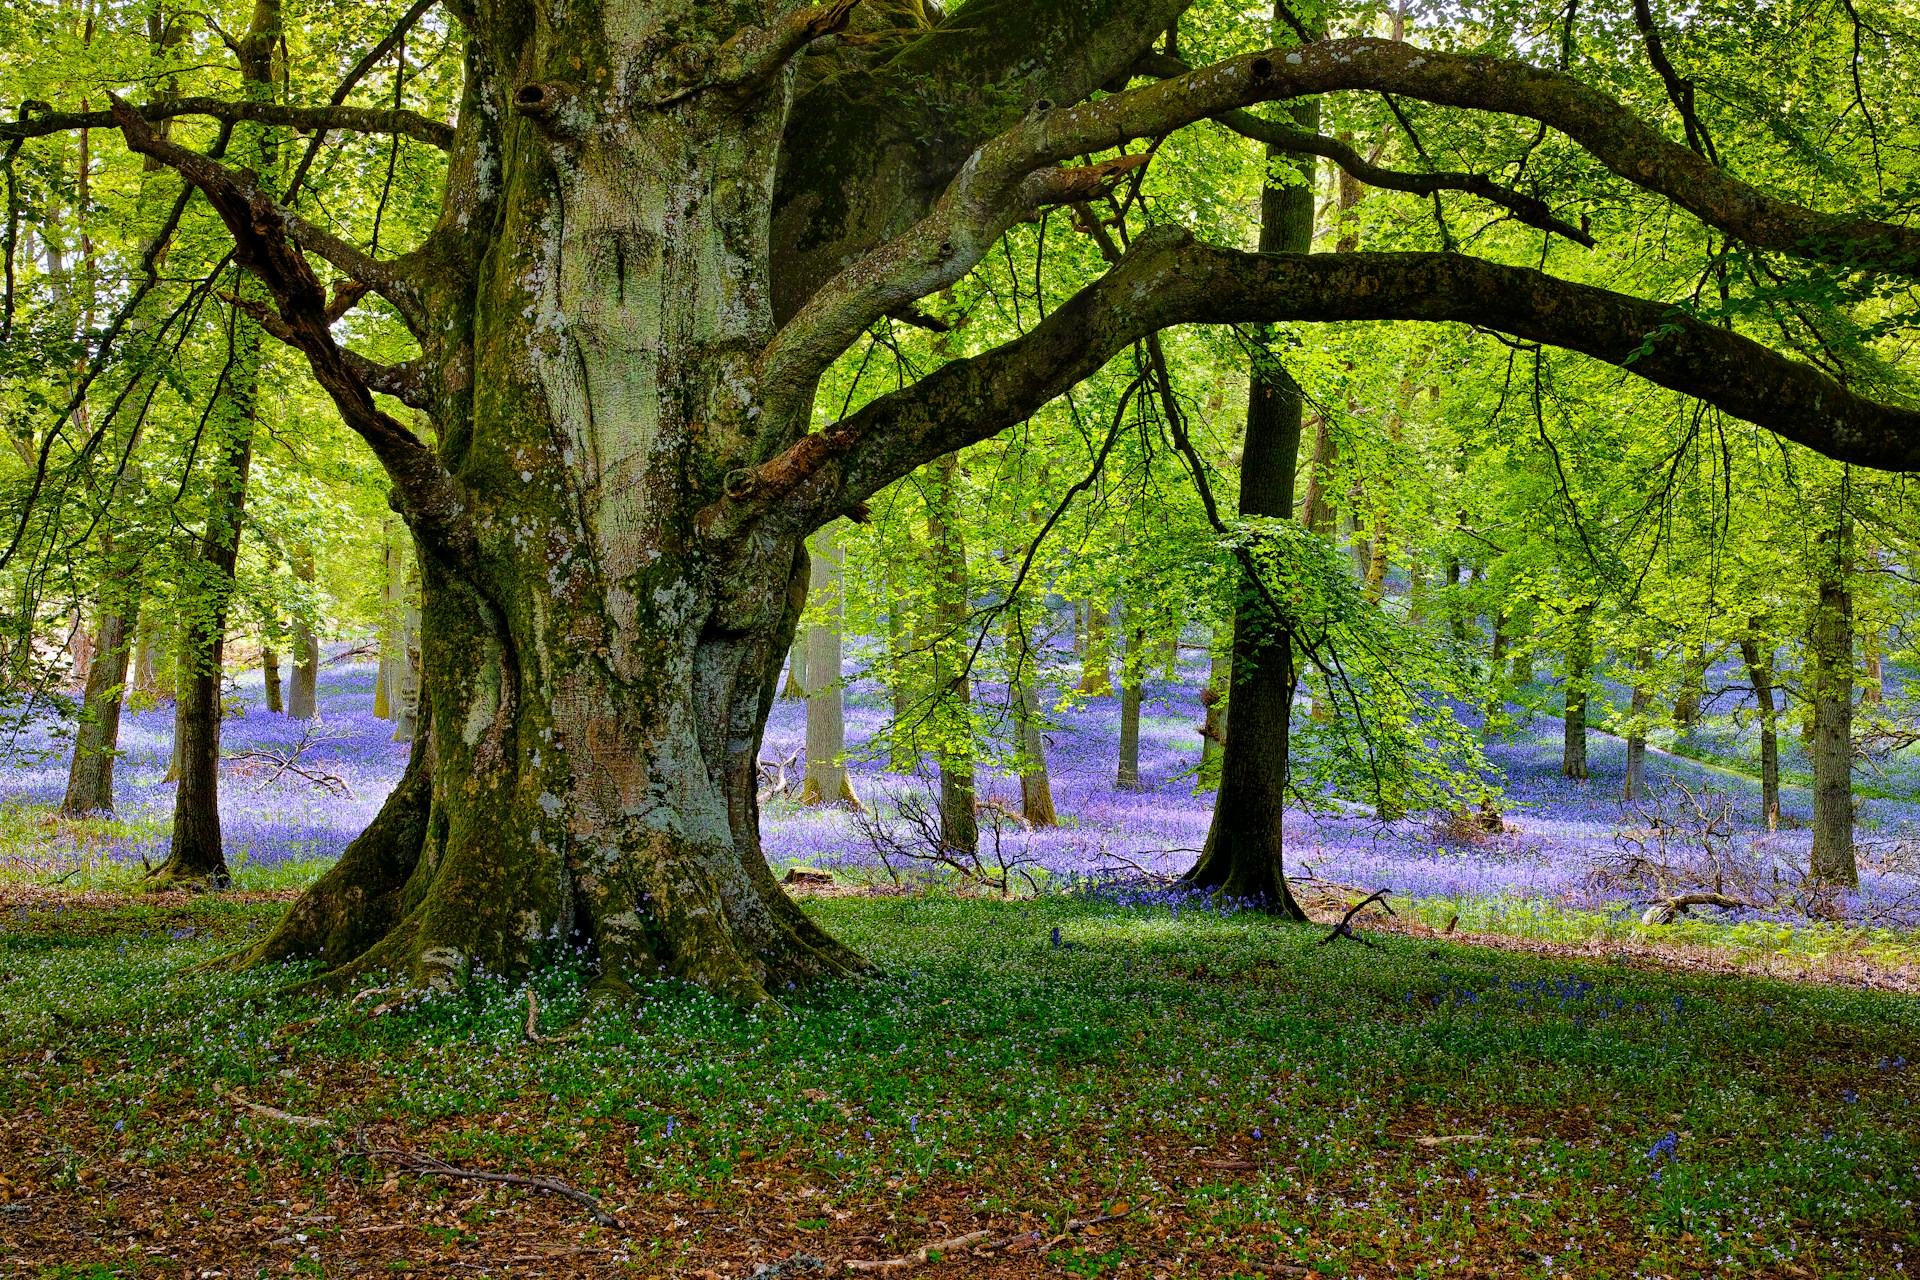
[271, 1113]
[434, 1167]
[1033, 1239]
[1345, 928]
[1450, 1139]
[533, 1014]
[918, 1256]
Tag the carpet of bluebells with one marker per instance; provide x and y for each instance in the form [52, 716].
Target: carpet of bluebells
[281, 827]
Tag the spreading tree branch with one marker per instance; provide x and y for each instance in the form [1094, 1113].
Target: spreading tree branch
[408, 124]
[265, 243]
[1166, 279]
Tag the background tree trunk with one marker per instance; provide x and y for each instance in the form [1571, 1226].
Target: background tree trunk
[827, 781]
[1213, 698]
[1579, 670]
[405, 697]
[1096, 673]
[1637, 725]
[1830, 647]
[1760, 675]
[953, 715]
[1036, 788]
[90, 775]
[270, 679]
[197, 853]
[1132, 672]
[1245, 849]
[303, 697]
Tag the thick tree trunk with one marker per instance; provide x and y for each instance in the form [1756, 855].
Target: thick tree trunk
[1578, 674]
[827, 781]
[270, 679]
[95, 741]
[302, 697]
[952, 717]
[1244, 853]
[1831, 649]
[1133, 659]
[1760, 675]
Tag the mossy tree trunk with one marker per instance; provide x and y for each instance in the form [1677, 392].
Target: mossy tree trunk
[1133, 660]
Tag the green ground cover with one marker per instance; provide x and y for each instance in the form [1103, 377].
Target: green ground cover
[1254, 1100]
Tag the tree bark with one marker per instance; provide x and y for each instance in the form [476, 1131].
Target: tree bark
[1244, 854]
[197, 854]
[1036, 787]
[827, 781]
[97, 738]
[1686, 703]
[303, 696]
[404, 700]
[1637, 725]
[1213, 698]
[1579, 670]
[1096, 661]
[1830, 647]
[952, 717]
[270, 679]
[1760, 669]
[1132, 662]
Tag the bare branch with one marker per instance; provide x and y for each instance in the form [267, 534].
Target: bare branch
[408, 124]
[1528, 209]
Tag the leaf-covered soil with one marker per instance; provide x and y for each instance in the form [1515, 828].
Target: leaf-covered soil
[1248, 1101]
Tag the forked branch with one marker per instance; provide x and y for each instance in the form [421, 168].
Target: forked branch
[407, 124]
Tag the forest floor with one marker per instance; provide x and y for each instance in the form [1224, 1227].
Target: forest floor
[1519, 1079]
[1231, 1096]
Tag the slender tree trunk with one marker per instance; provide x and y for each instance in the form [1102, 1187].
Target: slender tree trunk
[1132, 662]
[1579, 670]
[1036, 787]
[827, 781]
[146, 681]
[197, 854]
[405, 698]
[901, 758]
[1831, 649]
[90, 776]
[302, 698]
[392, 600]
[1244, 853]
[1686, 703]
[270, 679]
[796, 685]
[1317, 510]
[1213, 699]
[1760, 675]
[1096, 671]
[1637, 725]
[953, 715]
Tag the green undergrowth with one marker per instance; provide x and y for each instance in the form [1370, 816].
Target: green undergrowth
[1003, 1067]
[1804, 941]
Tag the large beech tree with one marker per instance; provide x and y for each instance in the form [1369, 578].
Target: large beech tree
[651, 246]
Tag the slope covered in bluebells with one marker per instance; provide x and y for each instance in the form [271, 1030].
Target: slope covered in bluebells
[1539, 875]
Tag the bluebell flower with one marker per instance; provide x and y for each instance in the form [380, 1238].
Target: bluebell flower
[1849, 1096]
[1056, 937]
[1664, 1148]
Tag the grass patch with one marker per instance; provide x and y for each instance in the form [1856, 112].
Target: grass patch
[1263, 1095]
